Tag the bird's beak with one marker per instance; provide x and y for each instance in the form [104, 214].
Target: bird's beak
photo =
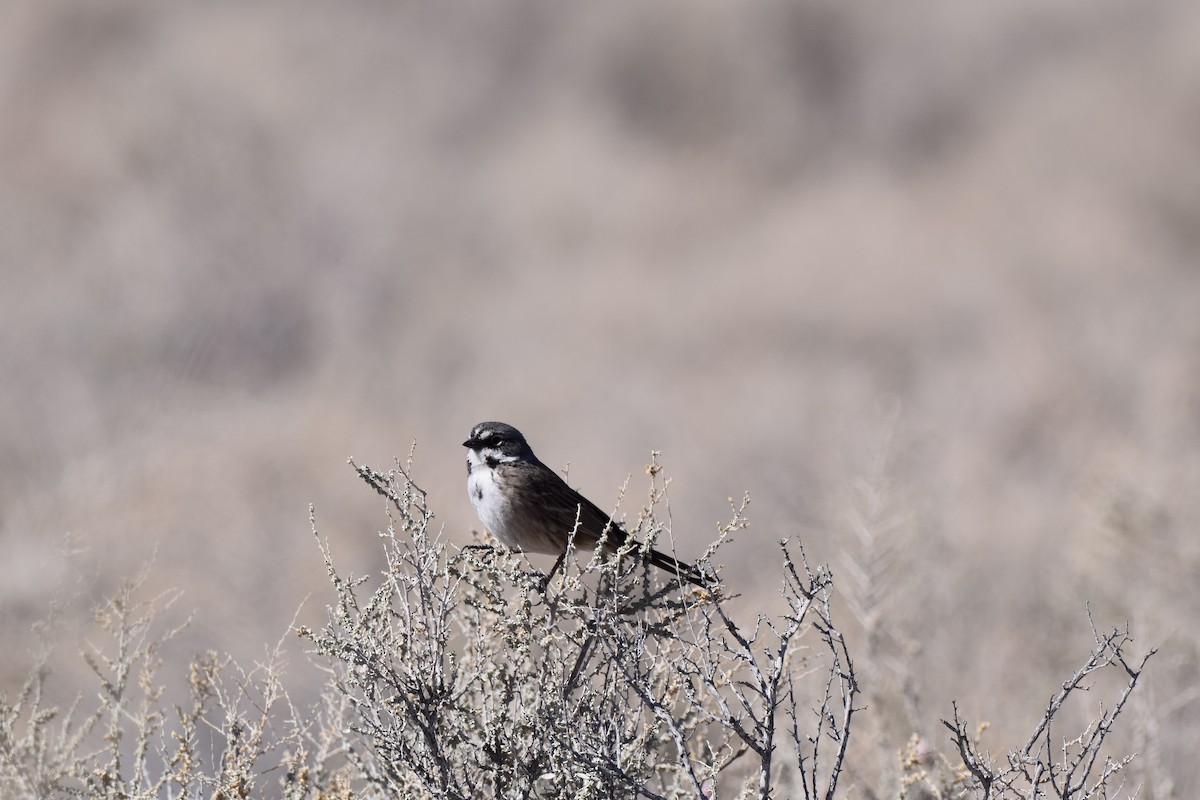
[470, 443]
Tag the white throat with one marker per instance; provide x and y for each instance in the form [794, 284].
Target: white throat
[487, 458]
[488, 497]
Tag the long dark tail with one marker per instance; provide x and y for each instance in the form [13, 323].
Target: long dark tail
[679, 568]
[617, 537]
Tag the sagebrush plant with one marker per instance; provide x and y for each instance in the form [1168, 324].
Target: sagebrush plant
[464, 673]
[472, 676]
[214, 733]
[1071, 766]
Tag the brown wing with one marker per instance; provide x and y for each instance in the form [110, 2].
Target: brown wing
[552, 513]
[566, 505]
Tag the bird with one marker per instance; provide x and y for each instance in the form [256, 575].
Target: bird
[528, 507]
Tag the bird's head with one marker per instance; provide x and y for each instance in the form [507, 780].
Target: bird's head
[496, 442]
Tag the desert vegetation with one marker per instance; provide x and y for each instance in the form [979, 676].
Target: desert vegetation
[461, 673]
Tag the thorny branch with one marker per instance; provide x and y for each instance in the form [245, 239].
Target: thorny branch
[1034, 770]
[472, 676]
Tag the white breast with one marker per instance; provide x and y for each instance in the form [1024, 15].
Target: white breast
[493, 508]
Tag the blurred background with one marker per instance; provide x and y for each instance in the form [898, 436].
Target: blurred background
[922, 279]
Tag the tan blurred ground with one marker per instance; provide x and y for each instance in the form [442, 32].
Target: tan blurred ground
[241, 243]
